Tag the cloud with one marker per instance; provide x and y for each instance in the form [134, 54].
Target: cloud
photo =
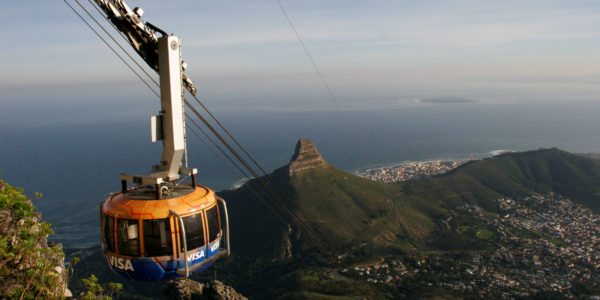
[278, 35]
[387, 47]
[447, 100]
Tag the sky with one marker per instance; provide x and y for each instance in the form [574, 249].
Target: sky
[523, 74]
[244, 54]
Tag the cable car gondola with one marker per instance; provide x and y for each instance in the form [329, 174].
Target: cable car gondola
[146, 237]
[161, 228]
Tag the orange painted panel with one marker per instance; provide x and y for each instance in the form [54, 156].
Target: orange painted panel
[120, 206]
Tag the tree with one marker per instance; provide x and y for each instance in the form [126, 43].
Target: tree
[114, 289]
[29, 268]
[93, 289]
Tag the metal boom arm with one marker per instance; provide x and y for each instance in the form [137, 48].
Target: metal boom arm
[141, 35]
[163, 54]
[172, 117]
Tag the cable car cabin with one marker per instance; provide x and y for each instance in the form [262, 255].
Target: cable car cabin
[148, 239]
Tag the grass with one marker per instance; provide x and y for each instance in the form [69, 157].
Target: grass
[465, 229]
[485, 234]
[528, 234]
[491, 214]
[557, 242]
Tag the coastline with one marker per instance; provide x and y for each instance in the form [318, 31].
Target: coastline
[415, 170]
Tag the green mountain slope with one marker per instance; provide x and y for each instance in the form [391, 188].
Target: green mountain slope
[359, 219]
[359, 210]
[336, 210]
[512, 174]
[332, 220]
[342, 211]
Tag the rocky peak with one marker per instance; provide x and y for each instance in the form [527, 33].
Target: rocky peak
[306, 157]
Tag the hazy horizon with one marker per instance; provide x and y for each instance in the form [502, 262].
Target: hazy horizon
[244, 55]
[411, 80]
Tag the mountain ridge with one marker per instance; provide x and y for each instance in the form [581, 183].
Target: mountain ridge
[541, 170]
[344, 210]
[355, 221]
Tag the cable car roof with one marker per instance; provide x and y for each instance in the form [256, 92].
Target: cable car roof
[137, 204]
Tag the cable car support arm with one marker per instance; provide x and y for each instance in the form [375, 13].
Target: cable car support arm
[163, 54]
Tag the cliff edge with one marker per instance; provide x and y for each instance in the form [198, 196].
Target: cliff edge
[29, 267]
[188, 289]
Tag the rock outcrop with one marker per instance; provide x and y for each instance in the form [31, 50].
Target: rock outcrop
[29, 267]
[305, 158]
[285, 251]
[188, 289]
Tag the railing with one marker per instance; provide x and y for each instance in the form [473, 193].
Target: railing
[226, 224]
[182, 225]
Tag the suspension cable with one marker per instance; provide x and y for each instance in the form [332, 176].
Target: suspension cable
[250, 185]
[309, 55]
[111, 48]
[260, 179]
[114, 40]
[209, 147]
[326, 85]
[105, 17]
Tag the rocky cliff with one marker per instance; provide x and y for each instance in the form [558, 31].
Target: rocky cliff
[306, 157]
[214, 290]
[29, 267]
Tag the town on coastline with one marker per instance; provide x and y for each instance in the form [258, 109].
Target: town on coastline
[413, 170]
[543, 245]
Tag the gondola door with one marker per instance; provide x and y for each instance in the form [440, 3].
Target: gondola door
[214, 233]
[192, 241]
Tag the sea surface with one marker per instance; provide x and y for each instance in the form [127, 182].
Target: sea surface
[73, 154]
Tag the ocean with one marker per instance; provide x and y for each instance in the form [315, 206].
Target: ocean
[74, 153]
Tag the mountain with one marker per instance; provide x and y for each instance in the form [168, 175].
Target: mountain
[313, 204]
[317, 219]
[512, 174]
[311, 231]
[590, 155]
[337, 210]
